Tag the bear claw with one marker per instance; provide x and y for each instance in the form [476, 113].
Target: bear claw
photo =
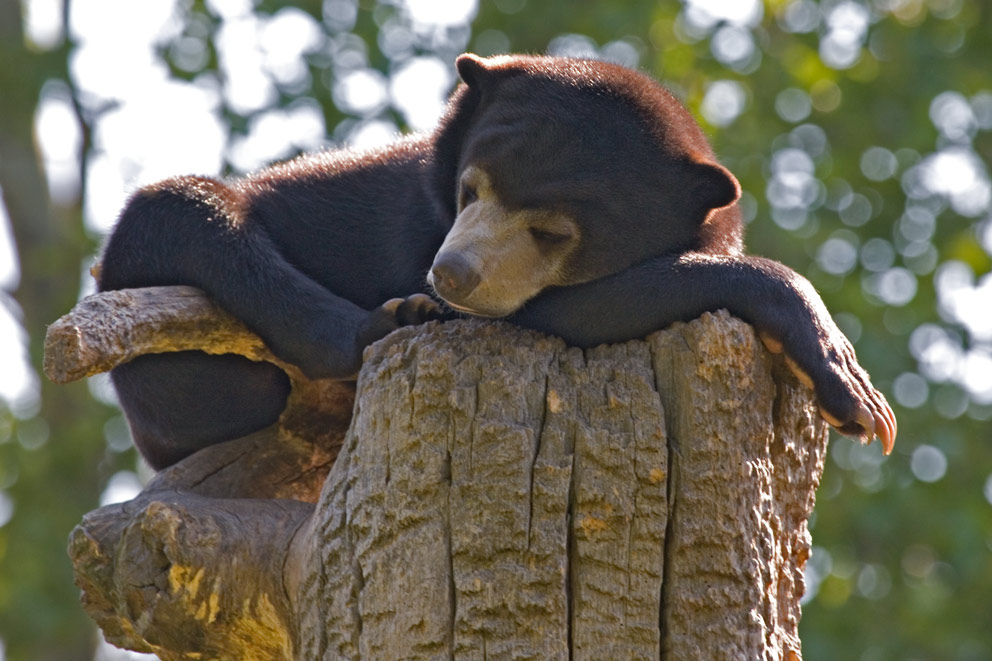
[803, 377]
[412, 310]
[831, 420]
[885, 429]
[773, 345]
[879, 423]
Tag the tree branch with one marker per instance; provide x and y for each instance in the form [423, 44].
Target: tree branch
[111, 328]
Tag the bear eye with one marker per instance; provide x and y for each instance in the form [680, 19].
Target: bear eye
[548, 237]
[468, 196]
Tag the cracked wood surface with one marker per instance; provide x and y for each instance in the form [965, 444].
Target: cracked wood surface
[497, 495]
[110, 328]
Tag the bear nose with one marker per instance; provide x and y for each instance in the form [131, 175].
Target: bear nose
[454, 277]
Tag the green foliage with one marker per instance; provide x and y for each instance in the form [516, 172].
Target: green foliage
[829, 148]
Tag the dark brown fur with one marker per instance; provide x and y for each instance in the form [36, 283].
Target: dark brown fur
[307, 253]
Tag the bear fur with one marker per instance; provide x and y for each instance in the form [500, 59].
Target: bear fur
[580, 188]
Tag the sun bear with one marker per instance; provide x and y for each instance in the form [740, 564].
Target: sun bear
[574, 197]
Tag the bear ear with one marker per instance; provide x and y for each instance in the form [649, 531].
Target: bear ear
[471, 68]
[715, 187]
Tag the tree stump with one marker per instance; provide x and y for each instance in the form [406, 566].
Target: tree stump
[497, 495]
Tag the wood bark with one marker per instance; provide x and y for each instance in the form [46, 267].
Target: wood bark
[497, 495]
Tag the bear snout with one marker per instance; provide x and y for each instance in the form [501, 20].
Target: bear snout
[453, 278]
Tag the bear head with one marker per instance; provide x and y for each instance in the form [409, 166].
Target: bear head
[558, 171]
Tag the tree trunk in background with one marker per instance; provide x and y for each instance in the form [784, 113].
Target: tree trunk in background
[497, 495]
[39, 619]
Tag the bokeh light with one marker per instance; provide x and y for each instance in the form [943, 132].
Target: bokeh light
[723, 102]
[928, 463]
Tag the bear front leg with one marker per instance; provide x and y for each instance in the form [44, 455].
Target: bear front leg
[196, 231]
[783, 307]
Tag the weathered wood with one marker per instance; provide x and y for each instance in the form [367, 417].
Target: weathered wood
[289, 460]
[747, 455]
[497, 495]
[111, 328]
[183, 576]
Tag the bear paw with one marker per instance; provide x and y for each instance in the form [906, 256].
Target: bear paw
[397, 312]
[413, 310]
[846, 397]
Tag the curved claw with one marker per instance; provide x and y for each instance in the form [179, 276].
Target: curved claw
[803, 377]
[893, 425]
[886, 431]
[392, 305]
[881, 424]
[773, 345]
[412, 310]
[864, 418]
[831, 420]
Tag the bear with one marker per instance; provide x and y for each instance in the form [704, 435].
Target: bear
[574, 197]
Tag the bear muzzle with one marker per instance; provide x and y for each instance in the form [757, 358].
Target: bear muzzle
[453, 278]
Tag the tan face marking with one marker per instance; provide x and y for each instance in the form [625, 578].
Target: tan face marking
[515, 253]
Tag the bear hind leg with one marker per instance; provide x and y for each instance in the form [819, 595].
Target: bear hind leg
[180, 402]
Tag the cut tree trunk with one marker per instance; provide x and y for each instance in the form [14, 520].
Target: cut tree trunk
[497, 495]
